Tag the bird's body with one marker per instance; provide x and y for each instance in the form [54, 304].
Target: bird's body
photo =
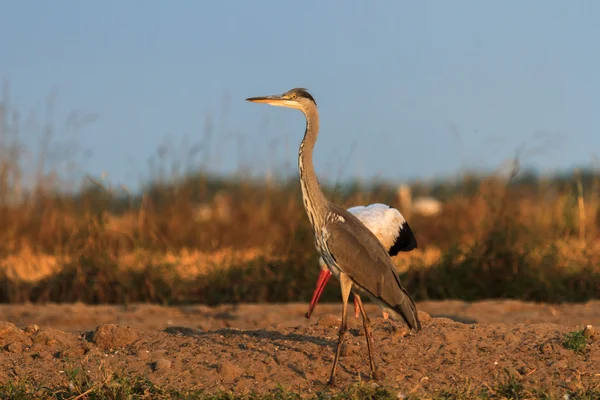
[390, 228]
[350, 250]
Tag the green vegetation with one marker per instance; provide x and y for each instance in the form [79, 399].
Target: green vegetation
[77, 386]
[576, 341]
[512, 388]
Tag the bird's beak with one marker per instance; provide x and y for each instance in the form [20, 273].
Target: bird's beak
[321, 282]
[278, 101]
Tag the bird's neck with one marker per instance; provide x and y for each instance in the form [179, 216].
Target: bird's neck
[312, 196]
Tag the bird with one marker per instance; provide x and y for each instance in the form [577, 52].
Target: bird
[427, 206]
[352, 253]
[392, 230]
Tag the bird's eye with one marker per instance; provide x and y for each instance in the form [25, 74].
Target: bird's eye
[293, 96]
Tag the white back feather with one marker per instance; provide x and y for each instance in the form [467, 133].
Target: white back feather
[384, 221]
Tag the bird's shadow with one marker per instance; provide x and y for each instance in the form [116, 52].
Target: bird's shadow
[256, 333]
[277, 338]
[456, 318]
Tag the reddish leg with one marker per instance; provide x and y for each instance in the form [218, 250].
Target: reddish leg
[321, 282]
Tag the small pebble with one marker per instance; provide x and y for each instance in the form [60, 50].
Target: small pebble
[546, 348]
[31, 329]
[591, 333]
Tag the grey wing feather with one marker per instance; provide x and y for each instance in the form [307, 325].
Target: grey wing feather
[362, 257]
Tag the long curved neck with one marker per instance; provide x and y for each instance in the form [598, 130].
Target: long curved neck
[315, 202]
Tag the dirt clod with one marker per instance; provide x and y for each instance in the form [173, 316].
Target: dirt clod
[143, 355]
[161, 365]
[560, 364]
[111, 336]
[54, 343]
[14, 347]
[510, 339]
[400, 331]
[423, 317]
[329, 320]
[229, 371]
[9, 333]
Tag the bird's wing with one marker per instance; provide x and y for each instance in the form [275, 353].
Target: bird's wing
[359, 254]
[404, 241]
[388, 225]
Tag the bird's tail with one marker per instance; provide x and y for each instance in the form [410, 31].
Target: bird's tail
[406, 309]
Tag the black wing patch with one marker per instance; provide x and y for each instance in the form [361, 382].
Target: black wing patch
[405, 241]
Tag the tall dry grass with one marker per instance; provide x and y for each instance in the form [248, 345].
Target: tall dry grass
[200, 238]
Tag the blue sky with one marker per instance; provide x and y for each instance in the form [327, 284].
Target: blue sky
[405, 89]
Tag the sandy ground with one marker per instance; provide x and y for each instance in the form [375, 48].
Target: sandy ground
[246, 347]
[80, 317]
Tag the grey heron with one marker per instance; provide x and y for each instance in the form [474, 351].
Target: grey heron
[392, 230]
[350, 250]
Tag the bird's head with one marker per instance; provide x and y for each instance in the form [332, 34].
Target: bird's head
[297, 98]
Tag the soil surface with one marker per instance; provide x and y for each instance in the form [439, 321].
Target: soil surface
[257, 347]
[81, 317]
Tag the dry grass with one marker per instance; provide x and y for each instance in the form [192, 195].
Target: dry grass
[203, 232]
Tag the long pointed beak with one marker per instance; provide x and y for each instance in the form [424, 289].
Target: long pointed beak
[321, 282]
[274, 101]
[264, 99]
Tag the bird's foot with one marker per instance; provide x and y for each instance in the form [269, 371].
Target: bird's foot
[332, 381]
[377, 375]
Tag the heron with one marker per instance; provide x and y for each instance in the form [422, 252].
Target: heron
[392, 230]
[352, 253]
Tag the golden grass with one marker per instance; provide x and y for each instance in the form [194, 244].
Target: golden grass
[197, 225]
[28, 266]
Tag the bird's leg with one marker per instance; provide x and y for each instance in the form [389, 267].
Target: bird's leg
[356, 311]
[346, 285]
[368, 334]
